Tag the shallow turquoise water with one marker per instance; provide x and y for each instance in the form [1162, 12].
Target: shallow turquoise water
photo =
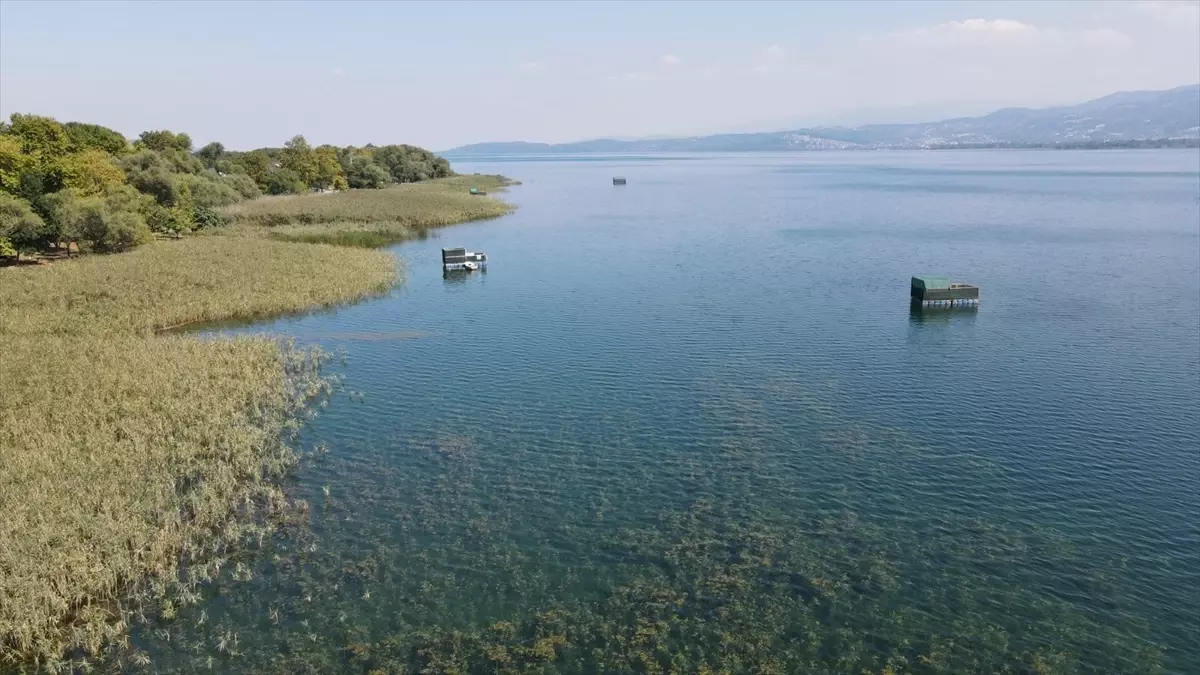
[694, 418]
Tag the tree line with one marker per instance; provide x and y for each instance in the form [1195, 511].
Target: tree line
[63, 183]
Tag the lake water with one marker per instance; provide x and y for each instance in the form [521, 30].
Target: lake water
[692, 421]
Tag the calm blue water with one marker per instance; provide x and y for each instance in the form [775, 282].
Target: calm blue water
[691, 421]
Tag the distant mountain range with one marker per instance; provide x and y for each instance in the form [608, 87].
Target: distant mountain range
[1115, 119]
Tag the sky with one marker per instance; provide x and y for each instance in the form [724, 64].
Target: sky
[451, 73]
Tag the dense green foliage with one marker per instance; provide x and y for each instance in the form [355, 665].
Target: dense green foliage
[70, 183]
[84, 136]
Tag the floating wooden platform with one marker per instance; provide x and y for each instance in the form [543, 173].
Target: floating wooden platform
[936, 291]
[462, 259]
[618, 180]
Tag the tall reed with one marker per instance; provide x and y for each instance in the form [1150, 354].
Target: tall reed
[123, 453]
[129, 451]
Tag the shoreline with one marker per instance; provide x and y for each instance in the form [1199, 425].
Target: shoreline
[128, 448]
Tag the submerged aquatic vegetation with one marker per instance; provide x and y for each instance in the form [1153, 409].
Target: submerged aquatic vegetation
[458, 553]
[125, 456]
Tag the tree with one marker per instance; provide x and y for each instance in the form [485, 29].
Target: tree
[164, 140]
[408, 164]
[154, 173]
[42, 137]
[256, 164]
[285, 181]
[103, 224]
[90, 171]
[93, 136]
[208, 190]
[299, 158]
[361, 172]
[211, 154]
[183, 212]
[329, 170]
[20, 227]
[242, 184]
[13, 163]
[107, 232]
[206, 218]
[156, 182]
[37, 182]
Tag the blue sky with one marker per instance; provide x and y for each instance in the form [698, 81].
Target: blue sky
[445, 74]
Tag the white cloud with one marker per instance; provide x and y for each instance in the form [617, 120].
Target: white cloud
[1106, 37]
[338, 72]
[533, 67]
[996, 34]
[1182, 13]
[991, 26]
[670, 60]
[966, 32]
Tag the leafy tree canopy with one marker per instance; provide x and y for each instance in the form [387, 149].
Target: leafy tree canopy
[90, 171]
[20, 227]
[13, 163]
[211, 154]
[298, 157]
[93, 136]
[86, 183]
[41, 137]
[164, 140]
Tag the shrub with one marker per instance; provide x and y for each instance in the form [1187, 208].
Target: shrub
[107, 224]
[242, 184]
[20, 227]
[159, 219]
[105, 231]
[207, 189]
[285, 181]
[361, 172]
[205, 217]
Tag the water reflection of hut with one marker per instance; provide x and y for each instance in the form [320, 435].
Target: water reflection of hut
[931, 290]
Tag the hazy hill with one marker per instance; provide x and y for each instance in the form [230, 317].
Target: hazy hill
[1124, 116]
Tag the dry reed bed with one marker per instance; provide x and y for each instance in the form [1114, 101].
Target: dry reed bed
[123, 454]
[198, 279]
[416, 205]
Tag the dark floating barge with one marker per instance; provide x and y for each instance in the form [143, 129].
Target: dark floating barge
[618, 180]
[454, 259]
[934, 291]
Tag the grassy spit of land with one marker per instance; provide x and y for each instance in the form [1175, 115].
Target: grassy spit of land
[372, 218]
[131, 460]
